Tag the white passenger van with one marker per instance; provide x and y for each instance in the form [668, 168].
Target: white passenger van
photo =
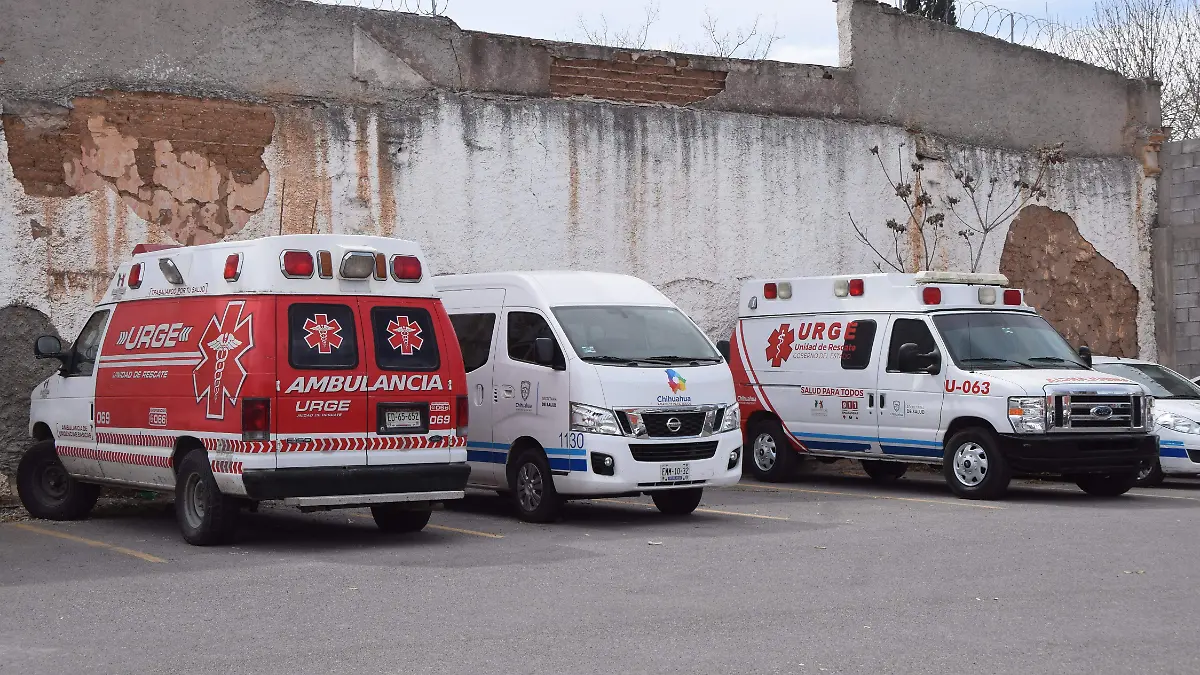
[585, 385]
[939, 368]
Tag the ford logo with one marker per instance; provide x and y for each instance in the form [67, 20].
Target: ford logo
[673, 424]
[1102, 411]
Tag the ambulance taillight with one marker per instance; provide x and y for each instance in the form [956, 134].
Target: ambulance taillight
[256, 419]
[848, 287]
[931, 295]
[233, 267]
[770, 291]
[357, 265]
[135, 276]
[1012, 296]
[296, 264]
[406, 268]
[462, 411]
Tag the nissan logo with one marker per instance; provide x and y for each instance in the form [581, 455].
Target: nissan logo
[1102, 411]
[673, 424]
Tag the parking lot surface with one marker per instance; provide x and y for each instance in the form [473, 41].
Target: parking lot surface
[829, 574]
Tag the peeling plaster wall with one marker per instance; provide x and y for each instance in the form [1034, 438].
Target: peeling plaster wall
[693, 201]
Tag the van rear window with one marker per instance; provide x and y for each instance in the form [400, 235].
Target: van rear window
[321, 337]
[404, 339]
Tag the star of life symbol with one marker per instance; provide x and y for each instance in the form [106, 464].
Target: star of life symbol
[405, 335]
[322, 333]
[779, 347]
[220, 374]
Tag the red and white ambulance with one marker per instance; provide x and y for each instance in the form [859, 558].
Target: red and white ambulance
[318, 370]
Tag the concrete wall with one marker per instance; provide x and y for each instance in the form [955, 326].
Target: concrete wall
[1177, 257]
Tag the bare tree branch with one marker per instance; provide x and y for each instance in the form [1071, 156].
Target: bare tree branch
[635, 37]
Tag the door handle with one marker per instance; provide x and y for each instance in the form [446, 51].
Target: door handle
[870, 400]
[881, 403]
[479, 394]
[508, 391]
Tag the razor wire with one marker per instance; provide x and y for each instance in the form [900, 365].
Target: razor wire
[1018, 28]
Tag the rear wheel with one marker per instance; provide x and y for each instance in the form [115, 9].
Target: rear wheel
[1106, 484]
[533, 492]
[1151, 476]
[974, 466]
[401, 518]
[679, 502]
[882, 471]
[772, 457]
[205, 515]
[48, 491]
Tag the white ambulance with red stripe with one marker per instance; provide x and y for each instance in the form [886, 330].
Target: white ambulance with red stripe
[318, 370]
[936, 368]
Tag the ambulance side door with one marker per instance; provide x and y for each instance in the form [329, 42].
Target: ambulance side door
[72, 398]
[321, 366]
[910, 397]
[477, 325]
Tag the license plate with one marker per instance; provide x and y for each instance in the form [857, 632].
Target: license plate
[674, 472]
[402, 419]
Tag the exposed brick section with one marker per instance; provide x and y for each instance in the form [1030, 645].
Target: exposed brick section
[192, 166]
[657, 79]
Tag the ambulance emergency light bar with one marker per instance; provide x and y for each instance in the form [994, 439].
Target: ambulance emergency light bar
[355, 264]
[931, 294]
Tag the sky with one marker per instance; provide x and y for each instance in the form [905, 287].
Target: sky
[807, 27]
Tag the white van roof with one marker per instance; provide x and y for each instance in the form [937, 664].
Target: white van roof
[561, 288]
[168, 271]
[921, 292]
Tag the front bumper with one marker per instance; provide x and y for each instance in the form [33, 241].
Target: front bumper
[406, 481]
[633, 476]
[1078, 453]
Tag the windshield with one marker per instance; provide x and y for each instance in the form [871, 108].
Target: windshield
[1161, 382]
[634, 335]
[1004, 340]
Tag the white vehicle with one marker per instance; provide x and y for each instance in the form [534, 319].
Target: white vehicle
[939, 368]
[1176, 411]
[585, 385]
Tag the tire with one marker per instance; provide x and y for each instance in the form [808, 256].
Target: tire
[1106, 484]
[400, 518]
[679, 502]
[205, 515]
[973, 465]
[46, 489]
[1150, 477]
[532, 485]
[772, 457]
[883, 471]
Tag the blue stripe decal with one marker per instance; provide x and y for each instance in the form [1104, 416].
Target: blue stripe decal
[1175, 443]
[575, 459]
[563, 464]
[910, 451]
[870, 439]
[486, 457]
[571, 452]
[1172, 449]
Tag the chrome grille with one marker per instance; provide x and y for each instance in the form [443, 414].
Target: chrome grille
[1096, 410]
[677, 422]
[659, 425]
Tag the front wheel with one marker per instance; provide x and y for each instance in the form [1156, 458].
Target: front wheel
[772, 457]
[679, 502]
[882, 471]
[1151, 476]
[401, 518]
[48, 491]
[1106, 484]
[205, 515]
[533, 492]
[973, 465]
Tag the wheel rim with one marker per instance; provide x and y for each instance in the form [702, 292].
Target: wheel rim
[764, 452]
[195, 501]
[529, 487]
[970, 464]
[54, 481]
[1145, 473]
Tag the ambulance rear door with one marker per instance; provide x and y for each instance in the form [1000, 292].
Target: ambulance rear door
[322, 418]
[410, 402]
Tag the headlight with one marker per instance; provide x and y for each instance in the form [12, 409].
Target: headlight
[731, 419]
[1028, 414]
[1177, 423]
[592, 420]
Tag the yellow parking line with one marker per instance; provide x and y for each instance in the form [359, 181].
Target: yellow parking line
[90, 542]
[946, 502]
[446, 528]
[699, 510]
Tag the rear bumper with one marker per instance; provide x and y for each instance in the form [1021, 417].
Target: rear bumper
[1082, 453]
[393, 479]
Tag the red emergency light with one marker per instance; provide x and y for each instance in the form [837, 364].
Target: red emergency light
[150, 248]
[856, 288]
[297, 264]
[1012, 296]
[931, 295]
[770, 291]
[134, 280]
[233, 267]
[406, 268]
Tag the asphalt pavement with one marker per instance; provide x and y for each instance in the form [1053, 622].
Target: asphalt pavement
[829, 574]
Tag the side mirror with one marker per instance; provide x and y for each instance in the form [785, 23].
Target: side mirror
[543, 351]
[1085, 353]
[911, 360]
[723, 347]
[48, 347]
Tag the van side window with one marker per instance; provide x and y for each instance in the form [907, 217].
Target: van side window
[83, 352]
[474, 338]
[321, 337]
[523, 329]
[857, 348]
[404, 339]
[908, 330]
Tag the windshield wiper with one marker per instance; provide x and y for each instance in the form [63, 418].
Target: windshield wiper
[605, 358]
[1056, 359]
[670, 358]
[992, 359]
